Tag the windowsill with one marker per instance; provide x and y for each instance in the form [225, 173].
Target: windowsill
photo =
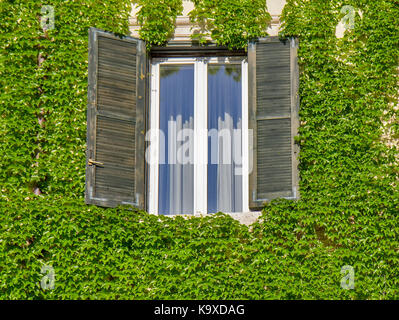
[246, 218]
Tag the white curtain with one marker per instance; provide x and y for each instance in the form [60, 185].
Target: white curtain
[181, 168]
[176, 176]
[225, 150]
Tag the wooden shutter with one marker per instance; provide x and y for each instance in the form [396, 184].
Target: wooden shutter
[115, 166]
[273, 118]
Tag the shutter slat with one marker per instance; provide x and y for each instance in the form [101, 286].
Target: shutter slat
[115, 89]
[112, 102]
[115, 42]
[105, 61]
[123, 69]
[112, 46]
[272, 117]
[117, 76]
[115, 120]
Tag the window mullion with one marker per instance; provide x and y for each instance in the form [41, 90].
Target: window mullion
[246, 137]
[200, 137]
[154, 141]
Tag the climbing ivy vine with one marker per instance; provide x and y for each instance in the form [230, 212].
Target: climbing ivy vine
[230, 23]
[349, 206]
[157, 19]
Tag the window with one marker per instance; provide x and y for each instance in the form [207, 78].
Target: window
[197, 136]
[186, 129]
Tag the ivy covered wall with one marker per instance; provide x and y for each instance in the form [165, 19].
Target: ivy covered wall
[349, 206]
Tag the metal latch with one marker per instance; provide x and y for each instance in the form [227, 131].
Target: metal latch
[92, 162]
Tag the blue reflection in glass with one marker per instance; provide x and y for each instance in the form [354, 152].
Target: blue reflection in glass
[176, 103]
[224, 141]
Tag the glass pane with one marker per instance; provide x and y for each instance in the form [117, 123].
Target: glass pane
[176, 121]
[224, 141]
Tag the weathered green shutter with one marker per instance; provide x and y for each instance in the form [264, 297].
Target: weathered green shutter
[273, 118]
[115, 166]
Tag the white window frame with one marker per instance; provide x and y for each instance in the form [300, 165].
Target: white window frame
[200, 131]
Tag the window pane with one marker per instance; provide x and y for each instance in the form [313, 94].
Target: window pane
[176, 169]
[224, 142]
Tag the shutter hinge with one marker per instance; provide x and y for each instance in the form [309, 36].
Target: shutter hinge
[137, 199]
[142, 75]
